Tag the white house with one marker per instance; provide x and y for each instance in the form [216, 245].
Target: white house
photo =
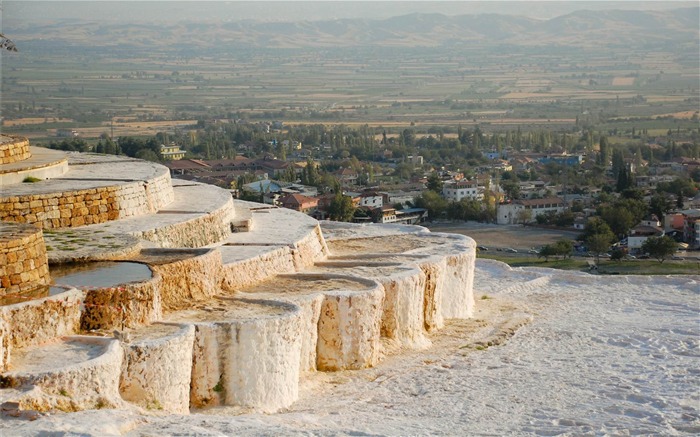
[639, 234]
[460, 190]
[373, 200]
[527, 210]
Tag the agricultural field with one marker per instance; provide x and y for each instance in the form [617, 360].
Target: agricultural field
[158, 86]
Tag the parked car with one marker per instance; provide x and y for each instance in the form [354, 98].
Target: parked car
[677, 258]
[482, 247]
[510, 250]
[533, 252]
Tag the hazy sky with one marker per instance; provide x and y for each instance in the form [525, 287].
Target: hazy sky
[26, 11]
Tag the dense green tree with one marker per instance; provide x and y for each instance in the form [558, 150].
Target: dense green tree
[660, 247]
[660, 204]
[625, 180]
[341, 208]
[565, 219]
[434, 183]
[546, 252]
[597, 236]
[603, 153]
[564, 248]
[71, 145]
[511, 188]
[617, 254]
[310, 175]
[618, 162]
[433, 202]
[620, 220]
[561, 248]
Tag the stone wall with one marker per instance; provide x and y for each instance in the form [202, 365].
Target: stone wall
[15, 150]
[23, 261]
[89, 206]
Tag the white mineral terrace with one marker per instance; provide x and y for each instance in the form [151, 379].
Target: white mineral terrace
[258, 321]
[43, 164]
[241, 307]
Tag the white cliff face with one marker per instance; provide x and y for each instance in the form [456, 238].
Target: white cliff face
[243, 360]
[458, 295]
[310, 307]
[434, 271]
[206, 384]
[262, 365]
[157, 368]
[403, 318]
[348, 330]
[456, 254]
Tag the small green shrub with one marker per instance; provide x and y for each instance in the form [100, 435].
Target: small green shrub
[219, 387]
[31, 179]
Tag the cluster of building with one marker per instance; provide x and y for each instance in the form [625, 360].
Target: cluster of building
[373, 206]
[537, 197]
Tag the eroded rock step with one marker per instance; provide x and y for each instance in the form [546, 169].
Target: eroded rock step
[68, 374]
[341, 317]
[199, 215]
[246, 353]
[449, 267]
[403, 321]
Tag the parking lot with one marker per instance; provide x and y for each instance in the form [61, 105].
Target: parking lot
[523, 239]
[518, 237]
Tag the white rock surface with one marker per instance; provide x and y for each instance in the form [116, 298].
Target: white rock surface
[349, 330]
[158, 368]
[75, 373]
[246, 354]
[403, 322]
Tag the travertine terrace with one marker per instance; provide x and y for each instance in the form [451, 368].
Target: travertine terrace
[244, 299]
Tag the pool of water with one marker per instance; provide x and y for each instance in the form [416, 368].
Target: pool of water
[99, 274]
[83, 276]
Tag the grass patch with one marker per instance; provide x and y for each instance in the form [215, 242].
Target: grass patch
[606, 267]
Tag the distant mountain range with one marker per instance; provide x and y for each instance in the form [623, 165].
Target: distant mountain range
[582, 28]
